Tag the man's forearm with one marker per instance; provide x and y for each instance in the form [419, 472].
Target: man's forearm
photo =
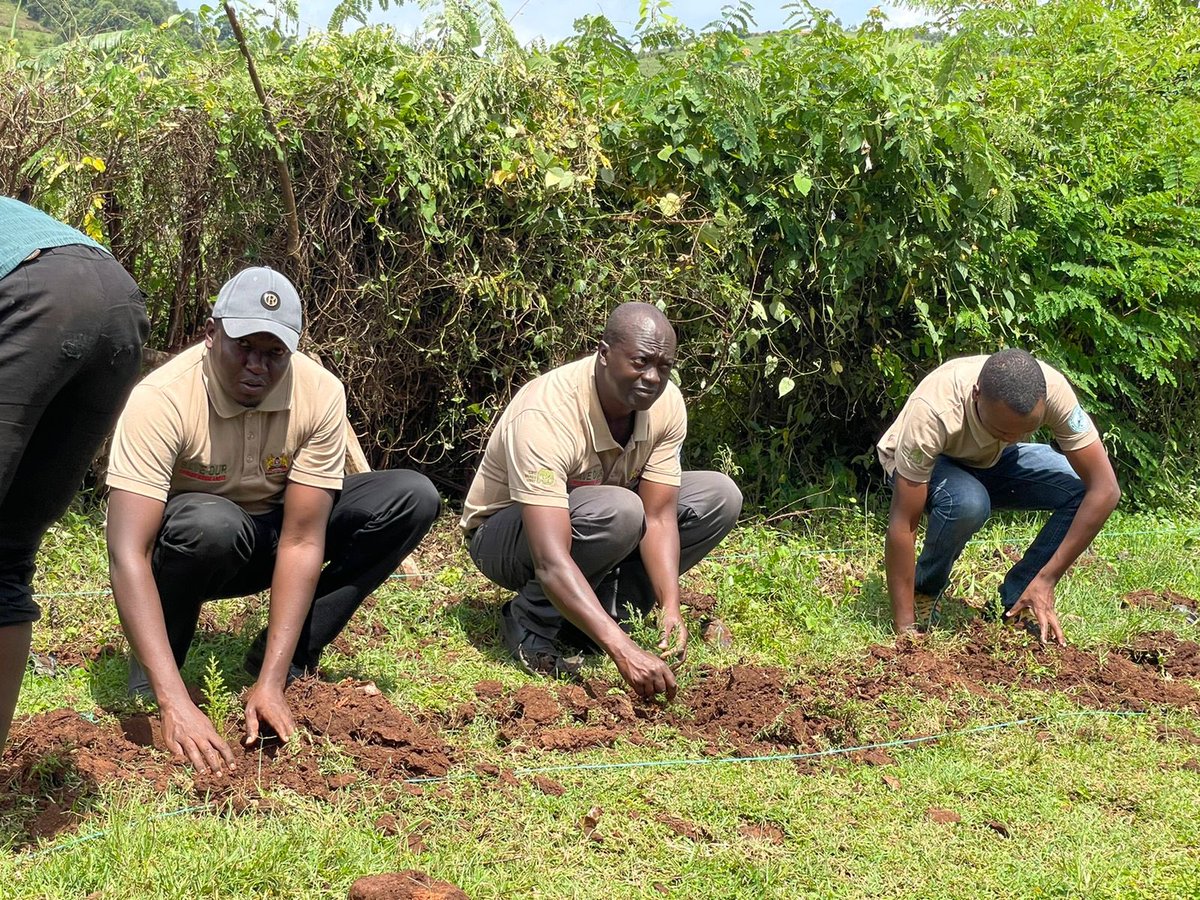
[900, 562]
[571, 594]
[140, 610]
[293, 585]
[660, 555]
[1093, 512]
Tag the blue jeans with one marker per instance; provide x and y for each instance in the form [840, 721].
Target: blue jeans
[1027, 476]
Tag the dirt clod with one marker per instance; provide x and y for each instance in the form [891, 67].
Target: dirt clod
[717, 634]
[548, 786]
[534, 704]
[408, 885]
[682, 827]
[942, 816]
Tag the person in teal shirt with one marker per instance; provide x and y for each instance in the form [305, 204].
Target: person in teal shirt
[72, 325]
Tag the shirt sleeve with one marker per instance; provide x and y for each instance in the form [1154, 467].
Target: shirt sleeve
[664, 465]
[1072, 426]
[145, 445]
[537, 453]
[321, 459]
[921, 440]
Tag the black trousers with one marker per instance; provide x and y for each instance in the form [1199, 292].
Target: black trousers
[72, 325]
[210, 548]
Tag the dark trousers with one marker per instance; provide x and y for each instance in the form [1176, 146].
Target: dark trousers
[210, 548]
[607, 524]
[961, 498]
[72, 325]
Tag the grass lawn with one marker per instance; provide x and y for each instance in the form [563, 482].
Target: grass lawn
[1075, 804]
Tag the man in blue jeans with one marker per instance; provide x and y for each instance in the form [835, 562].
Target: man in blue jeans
[957, 452]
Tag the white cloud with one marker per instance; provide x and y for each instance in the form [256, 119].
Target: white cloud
[904, 17]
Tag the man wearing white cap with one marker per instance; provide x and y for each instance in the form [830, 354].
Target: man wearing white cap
[227, 477]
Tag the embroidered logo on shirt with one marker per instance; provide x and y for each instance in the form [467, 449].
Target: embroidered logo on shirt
[542, 478]
[915, 456]
[276, 465]
[194, 469]
[1078, 420]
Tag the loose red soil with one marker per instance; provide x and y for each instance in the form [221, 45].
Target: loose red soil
[749, 710]
[57, 759]
[409, 885]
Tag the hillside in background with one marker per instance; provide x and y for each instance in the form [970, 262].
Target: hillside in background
[37, 24]
[30, 35]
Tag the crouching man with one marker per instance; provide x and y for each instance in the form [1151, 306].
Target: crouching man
[958, 450]
[227, 477]
[581, 507]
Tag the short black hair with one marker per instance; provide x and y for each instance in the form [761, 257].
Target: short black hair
[629, 318]
[1015, 377]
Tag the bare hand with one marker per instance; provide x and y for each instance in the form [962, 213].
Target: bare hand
[265, 704]
[674, 636]
[1039, 600]
[646, 673]
[189, 734]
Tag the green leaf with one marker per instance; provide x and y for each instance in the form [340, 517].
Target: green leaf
[786, 386]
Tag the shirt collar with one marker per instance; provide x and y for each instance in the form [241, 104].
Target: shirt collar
[226, 407]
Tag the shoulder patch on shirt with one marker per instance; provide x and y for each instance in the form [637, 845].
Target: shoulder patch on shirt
[915, 457]
[543, 477]
[1078, 420]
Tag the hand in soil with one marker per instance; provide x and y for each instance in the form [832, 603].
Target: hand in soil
[189, 734]
[1038, 599]
[265, 705]
[674, 637]
[646, 674]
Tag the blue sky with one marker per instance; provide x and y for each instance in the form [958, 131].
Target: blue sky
[551, 19]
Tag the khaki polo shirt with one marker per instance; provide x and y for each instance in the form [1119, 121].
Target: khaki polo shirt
[940, 419]
[180, 432]
[553, 438]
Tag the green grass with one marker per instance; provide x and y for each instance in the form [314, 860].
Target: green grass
[1093, 806]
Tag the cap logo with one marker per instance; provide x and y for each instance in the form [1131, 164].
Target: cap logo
[269, 300]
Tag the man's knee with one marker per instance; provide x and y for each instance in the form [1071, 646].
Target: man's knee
[713, 496]
[612, 514]
[963, 506]
[213, 529]
[405, 497]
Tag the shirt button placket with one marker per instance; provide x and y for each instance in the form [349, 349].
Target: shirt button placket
[251, 442]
